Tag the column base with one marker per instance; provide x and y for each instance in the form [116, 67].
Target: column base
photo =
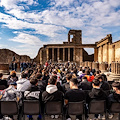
[5, 72]
[4, 68]
[115, 77]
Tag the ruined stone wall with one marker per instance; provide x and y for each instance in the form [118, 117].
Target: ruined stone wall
[37, 58]
[87, 57]
[6, 56]
[111, 54]
[117, 50]
[108, 51]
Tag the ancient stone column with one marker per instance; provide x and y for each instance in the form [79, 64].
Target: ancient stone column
[63, 54]
[95, 65]
[73, 54]
[103, 67]
[112, 67]
[47, 53]
[68, 38]
[52, 54]
[68, 54]
[115, 75]
[101, 53]
[4, 68]
[81, 54]
[90, 65]
[58, 54]
[41, 57]
[95, 54]
[86, 64]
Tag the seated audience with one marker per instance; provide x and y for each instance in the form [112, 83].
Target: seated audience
[33, 94]
[97, 93]
[52, 93]
[3, 83]
[41, 83]
[88, 75]
[74, 95]
[12, 78]
[10, 94]
[114, 97]
[23, 84]
[85, 84]
[66, 86]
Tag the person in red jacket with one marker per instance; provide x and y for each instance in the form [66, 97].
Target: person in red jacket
[46, 64]
[88, 75]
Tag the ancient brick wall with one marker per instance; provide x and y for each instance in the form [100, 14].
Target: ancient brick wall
[117, 50]
[108, 51]
[6, 56]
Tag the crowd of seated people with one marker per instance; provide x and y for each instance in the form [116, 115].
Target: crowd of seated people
[60, 82]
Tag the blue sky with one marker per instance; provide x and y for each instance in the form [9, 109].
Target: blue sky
[25, 25]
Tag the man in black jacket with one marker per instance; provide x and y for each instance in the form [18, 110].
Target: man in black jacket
[33, 94]
[97, 93]
[52, 93]
[85, 84]
[3, 83]
[66, 86]
[41, 83]
[103, 84]
[74, 95]
[114, 97]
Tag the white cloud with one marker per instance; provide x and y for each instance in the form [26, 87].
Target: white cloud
[94, 17]
[27, 39]
[13, 4]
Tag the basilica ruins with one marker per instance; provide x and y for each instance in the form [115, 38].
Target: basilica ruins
[73, 50]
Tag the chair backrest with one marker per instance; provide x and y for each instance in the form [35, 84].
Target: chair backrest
[9, 108]
[53, 108]
[76, 108]
[97, 107]
[115, 107]
[32, 107]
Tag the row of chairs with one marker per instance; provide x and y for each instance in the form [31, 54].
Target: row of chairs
[33, 107]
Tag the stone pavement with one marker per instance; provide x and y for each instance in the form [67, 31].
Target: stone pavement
[91, 117]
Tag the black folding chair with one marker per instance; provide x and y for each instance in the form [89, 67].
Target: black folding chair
[31, 107]
[54, 108]
[9, 108]
[115, 108]
[98, 107]
[76, 108]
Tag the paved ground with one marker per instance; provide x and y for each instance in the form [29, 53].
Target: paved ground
[60, 118]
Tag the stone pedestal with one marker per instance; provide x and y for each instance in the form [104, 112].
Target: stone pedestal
[90, 65]
[86, 63]
[115, 71]
[103, 67]
[95, 65]
[4, 68]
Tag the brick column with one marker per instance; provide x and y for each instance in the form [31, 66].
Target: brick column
[103, 66]
[68, 38]
[81, 54]
[41, 57]
[68, 54]
[52, 54]
[47, 54]
[58, 54]
[73, 54]
[115, 75]
[63, 54]
[95, 54]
